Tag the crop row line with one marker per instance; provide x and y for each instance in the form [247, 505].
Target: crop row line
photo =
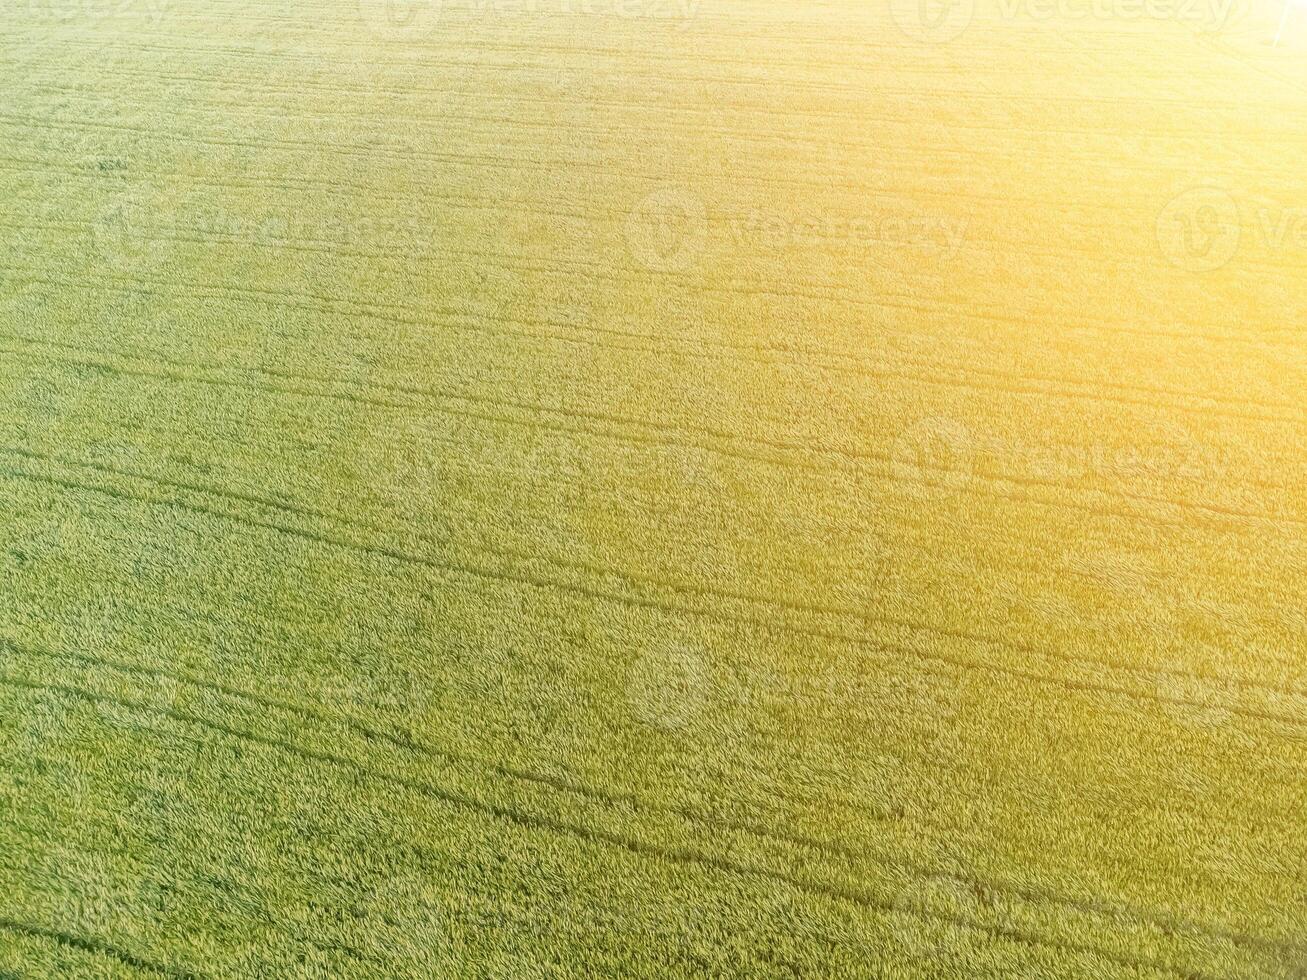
[93, 946]
[609, 797]
[276, 109]
[795, 455]
[696, 56]
[638, 583]
[482, 161]
[602, 271]
[1056, 386]
[768, 108]
[639, 598]
[594, 836]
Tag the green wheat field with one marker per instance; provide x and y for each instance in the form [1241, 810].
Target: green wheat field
[653, 488]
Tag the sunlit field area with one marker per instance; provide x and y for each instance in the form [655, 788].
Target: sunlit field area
[653, 488]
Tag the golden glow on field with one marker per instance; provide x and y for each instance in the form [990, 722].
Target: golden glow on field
[653, 488]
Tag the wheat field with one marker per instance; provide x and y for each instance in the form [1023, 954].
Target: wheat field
[572, 488]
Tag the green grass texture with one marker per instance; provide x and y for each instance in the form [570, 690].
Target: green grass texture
[653, 488]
